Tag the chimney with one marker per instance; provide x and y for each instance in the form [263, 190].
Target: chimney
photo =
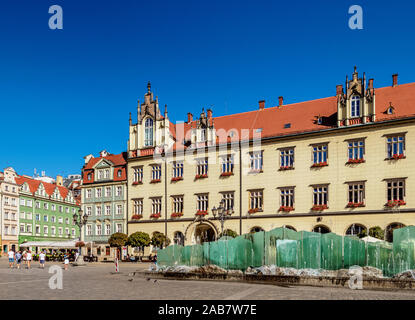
[261, 104]
[280, 101]
[394, 80]
[339, 89]
[370, 84]
[189, 117]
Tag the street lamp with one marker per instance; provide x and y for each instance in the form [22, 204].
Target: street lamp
[80, 220]
[221, 213]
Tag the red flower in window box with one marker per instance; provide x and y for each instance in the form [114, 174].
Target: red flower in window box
[286, 208]
[174, 179]
[352, 161]
[201, 213]
[282, 168]
[201, 176]
[137, 216]
[397, 156]
[319, 207]
[137, 182]
[394, 203]
[155, 181]
[176, 214]
[254, 210]
[355, 204]
[226, 174]
[155, 215]
[319, 164]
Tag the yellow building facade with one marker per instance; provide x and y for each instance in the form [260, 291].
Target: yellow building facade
[341, 164]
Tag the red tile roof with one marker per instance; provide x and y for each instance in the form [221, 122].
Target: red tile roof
[302, 116]
[118, 160]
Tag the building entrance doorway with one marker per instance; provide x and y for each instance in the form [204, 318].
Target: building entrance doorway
[204, 233]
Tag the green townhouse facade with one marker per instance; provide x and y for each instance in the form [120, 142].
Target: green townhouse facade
[104, 201]
[46, 211]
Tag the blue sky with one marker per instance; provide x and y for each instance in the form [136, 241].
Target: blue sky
[68, 93]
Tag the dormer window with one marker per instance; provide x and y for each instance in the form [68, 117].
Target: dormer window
[148, 139]
[355, 107]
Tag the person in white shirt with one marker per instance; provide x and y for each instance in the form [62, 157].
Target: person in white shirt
[29, 258]
[11, 258]
[42, 257]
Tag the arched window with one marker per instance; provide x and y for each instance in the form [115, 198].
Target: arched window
[321, 229]
[178, 238]
[389, 230]
[256, 229]
[355, 107]
[357, 230]
[148, 137]
[119, 173]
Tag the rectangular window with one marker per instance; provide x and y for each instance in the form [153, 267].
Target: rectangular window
[60, 220]
[99, 192]
[107, 229]
[67, 209]
[88, 193]
[60, 209]
[53, 219]
[396, 190]
[138, 206]
[88, 230]
[202, 167]
[28, 215]
[320, 196]
[37, 217]
[99, 230]
[178, 204]
[286, 198]
[228, 201]
[156, 172]
[22, 228]
[37, 205]
[119, 191]
[287, 158]
[320, 154]
[119, 227]
[395, 147]
[356, 194]
[256, 200]
[138, 174]
[356, 150]
[53, 230]
[45, 230]
[156, 205]
[119, 209]
[98, 210]
[67, 231]
[107, 210]
[22, 202]
[256, 161]
[178, 169]
[203, 202]
[29, 203]
[45, 206]
[53, 207]
[73, 232]
[29, 228]
[108, 191]
[88, 211]
[45, 218]
[227, 164]
[37, 229]
[67, 220]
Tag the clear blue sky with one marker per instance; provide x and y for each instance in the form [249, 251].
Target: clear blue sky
[67, 93]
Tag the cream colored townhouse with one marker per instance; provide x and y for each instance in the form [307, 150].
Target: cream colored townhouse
[9, 211]
[341, 164]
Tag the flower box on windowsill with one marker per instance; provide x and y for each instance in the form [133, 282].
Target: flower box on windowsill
[137, 183]
[176, 214]
[319, 165]
[254, 210]
[353, 161]
[174, 179]
[394, 203]
[286, 209]
[226, 174]
[319, 207]
[155, 215]
[255, 171]
[355, 204]
[155, 181]
[283, 168]
[200, 176]
[136, 216]
[397, 157]
[201, 213]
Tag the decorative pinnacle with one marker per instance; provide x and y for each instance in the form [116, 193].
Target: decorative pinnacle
[148, 87]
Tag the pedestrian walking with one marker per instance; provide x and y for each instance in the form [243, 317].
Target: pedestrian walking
[66, 261]
[28, 258]
[18, 259]
[11, 259]
[24, 256]
[42, 257]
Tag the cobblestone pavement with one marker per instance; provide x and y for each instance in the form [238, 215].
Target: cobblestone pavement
[99, 281]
